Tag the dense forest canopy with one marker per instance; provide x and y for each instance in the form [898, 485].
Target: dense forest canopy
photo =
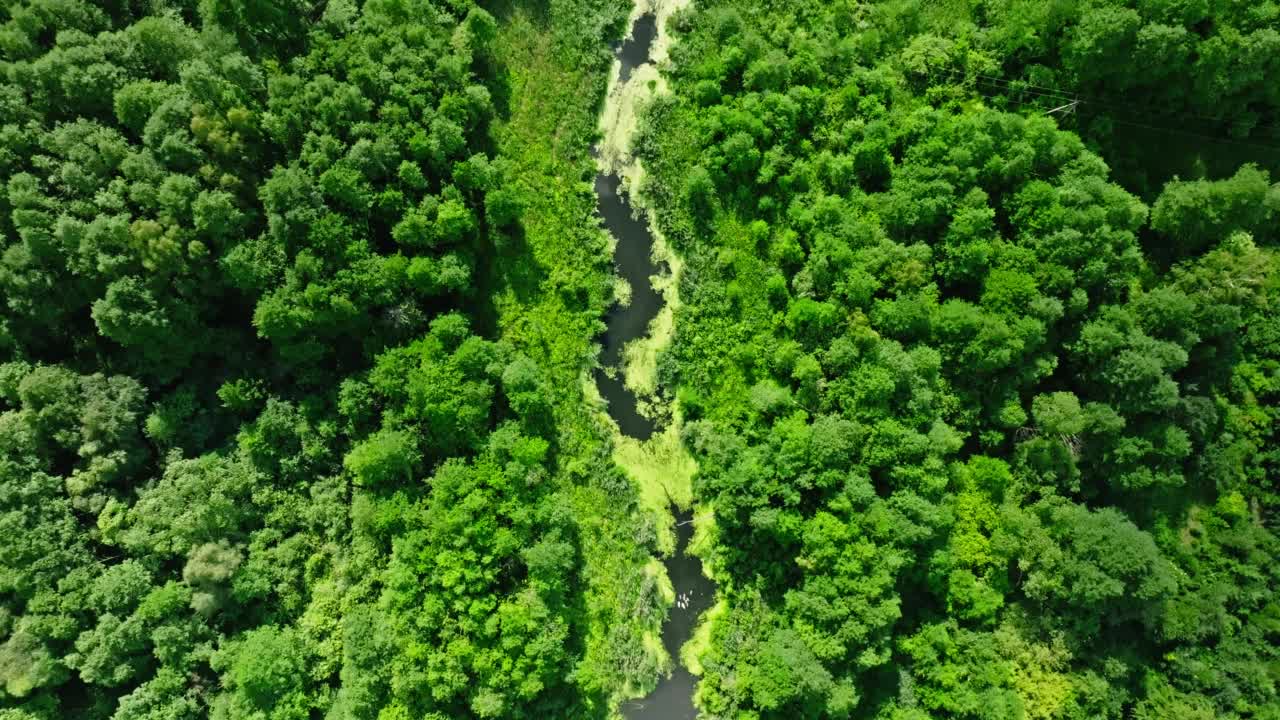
[265, 453]
[986, 435]
[979, 370]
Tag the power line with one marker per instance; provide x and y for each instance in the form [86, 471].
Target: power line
[1214, 138]
[1032, 89]
[1069, 108]
[1241, 143]
[1023, 86]
[1074, 101]
[1041, 90]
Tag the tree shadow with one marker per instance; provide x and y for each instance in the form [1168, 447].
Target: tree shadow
[506, 263]
[538, 11]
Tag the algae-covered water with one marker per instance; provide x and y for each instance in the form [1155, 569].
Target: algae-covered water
[628, 323]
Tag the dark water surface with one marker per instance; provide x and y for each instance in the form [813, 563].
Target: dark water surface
[635, 50]
[633, 258]
[673, 698]
[695, 594]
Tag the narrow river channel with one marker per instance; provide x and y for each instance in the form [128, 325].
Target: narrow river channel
[633, 256]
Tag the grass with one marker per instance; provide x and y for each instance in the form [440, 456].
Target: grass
[662, 471]
[693, 651]
[550, 290]
[553, 313]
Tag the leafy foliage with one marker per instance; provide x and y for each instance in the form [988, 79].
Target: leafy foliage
[296, 299]
[263, 450]
[961, 402]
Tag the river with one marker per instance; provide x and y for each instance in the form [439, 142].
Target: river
[673, 698]
[633, 257]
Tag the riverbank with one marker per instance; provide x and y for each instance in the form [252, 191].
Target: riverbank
[554, 288]
[647, 444]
